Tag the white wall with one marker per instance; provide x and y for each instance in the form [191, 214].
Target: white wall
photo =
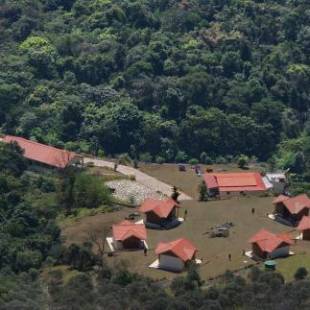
[284, 251]
[170, 262]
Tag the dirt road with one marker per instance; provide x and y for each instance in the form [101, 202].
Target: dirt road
[141, 177]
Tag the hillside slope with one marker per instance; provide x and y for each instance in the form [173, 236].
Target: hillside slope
[171, 79]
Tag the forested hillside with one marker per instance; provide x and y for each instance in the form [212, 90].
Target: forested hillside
[166, 78]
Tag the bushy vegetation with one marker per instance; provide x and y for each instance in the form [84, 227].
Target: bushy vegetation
[28, 231]
[173, 79]
[120, 289]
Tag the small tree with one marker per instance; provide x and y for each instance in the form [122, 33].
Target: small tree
[193, 161]
[175, 193]
[203, 191]
[243, 161]
[301, 273]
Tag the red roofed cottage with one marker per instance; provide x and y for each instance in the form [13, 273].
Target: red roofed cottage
[234, 183]
[292, 209]
[161, 213]
[128, 235]
[175, 255]
[304, 227]
[267, 245]
[43, 154]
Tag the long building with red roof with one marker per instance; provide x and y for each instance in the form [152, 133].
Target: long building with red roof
[128, 235]
[41, 153]
[292, 209]
[159, 212]
[176, 254]
[224, 184]
[269, 245]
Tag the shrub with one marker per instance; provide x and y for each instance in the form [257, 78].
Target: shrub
[301, 273]
[243, 161]
[193, 161]
[90, 192]
[205, 159]
[159, 160]
[221, 160]
[146, 157]
[124, 159]
[181, 157]
[203, 191]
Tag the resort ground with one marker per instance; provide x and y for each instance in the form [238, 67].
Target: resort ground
[201, 217]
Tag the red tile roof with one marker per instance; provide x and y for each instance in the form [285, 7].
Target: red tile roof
[304, 224]
[280, 198]
[268, 241]
[181, 248]
[210, 181]
[235, 181]
[127, 229]
[161, 208]
[294, 204]
[42, 153]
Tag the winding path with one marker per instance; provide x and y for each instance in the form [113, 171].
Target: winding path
[141, 177]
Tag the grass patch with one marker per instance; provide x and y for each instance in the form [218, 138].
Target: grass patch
[288, 266]
[79, 214]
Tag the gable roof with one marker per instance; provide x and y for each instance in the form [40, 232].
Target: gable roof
[280, 199]
[42, 153]
[294, 204]
[127, 229]
[235, 181]
[182, 248]
[161, 208]
[304, 224]
[268, 241]
[210, 181]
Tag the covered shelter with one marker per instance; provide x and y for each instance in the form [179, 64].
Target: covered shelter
[292, 209]
[267, 245]
[128, 235]
[225, 184]
[175, 255]
[160, 213]
[304, 228]
[44, 154]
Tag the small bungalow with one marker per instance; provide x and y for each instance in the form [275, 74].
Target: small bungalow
[266, 245]
[128, 235]
[292, 209]
[227, 184]
[175, 255]
[42, 154]
[160, 213]
[304, 228]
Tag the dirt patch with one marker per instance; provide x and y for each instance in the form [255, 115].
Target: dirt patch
[201, 217]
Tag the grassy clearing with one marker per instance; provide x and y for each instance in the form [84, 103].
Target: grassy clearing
[288, 266]
[79, 214]
[107, 174]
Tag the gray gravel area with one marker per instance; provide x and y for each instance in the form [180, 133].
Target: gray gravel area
[133, 192]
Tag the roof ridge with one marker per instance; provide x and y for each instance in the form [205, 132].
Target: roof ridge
[39, 143]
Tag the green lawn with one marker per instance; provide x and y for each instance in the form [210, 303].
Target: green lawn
[288, 266]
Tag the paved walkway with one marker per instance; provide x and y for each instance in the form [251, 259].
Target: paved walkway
[141, 177]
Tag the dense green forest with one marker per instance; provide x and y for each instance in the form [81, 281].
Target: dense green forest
[170, 79]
